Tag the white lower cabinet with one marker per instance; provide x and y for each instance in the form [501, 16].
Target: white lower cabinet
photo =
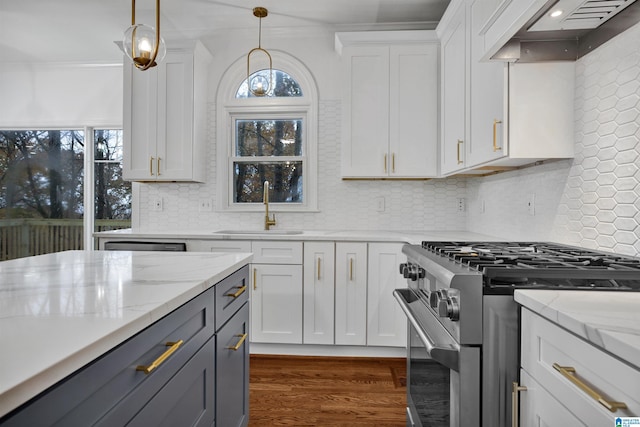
[569, 380]
[276, 297]
[386, 322]
[351, 294]
[539, 408]
[319, 292]
[276, 304]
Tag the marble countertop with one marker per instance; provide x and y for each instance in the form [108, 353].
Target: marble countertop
[60, 311]
[413, 237]
[608, 320]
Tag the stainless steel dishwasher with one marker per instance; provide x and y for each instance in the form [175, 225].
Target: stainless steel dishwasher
[145, 246]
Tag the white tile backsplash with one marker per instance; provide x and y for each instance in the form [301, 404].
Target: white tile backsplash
[593, 200]
[350, 205]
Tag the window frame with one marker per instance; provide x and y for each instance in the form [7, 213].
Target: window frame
[230, 108]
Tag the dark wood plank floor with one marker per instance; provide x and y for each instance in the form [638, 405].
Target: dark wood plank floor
[327, 391]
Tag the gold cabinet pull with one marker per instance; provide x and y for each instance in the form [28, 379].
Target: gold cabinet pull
[495, 135]
[570, 373]
[385, 163]
[515, 406]
[151, 166]
[158, 168]
[351, 269]
[255, 278]
[239, 343]
[393, 163]
[460, 142]
[238, 293]
[173, 346]
[318, 268]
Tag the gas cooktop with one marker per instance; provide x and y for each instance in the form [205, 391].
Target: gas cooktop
[542, 265]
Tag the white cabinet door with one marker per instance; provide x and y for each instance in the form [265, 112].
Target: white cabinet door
[164, 111]
[276, 304]
[390, 108]
[413, 112]
[351, 294]
[539, 408]
[365, 137]
[487, 95]
[387, 324]
[318, 300]
[454, 69]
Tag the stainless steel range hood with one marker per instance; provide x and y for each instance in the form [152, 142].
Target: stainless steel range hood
[582, 26]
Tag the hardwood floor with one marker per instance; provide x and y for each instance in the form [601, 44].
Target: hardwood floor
[326, 391]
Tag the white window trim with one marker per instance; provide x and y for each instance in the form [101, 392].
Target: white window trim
[230, 108]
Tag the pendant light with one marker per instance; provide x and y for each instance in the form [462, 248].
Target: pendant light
[258, 84]
[142, 43]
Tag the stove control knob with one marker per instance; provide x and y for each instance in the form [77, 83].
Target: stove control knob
[450, 308]
[414, 273]
[403, 268]
[436, 296]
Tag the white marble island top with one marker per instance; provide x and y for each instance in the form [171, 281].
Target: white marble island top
[60, 311]
[608, 320]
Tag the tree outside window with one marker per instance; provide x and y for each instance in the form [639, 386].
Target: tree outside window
[42, 189]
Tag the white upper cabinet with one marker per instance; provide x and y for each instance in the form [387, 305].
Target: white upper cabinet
[390, 104]
[494, 115]
[165, 117]
[454, 78]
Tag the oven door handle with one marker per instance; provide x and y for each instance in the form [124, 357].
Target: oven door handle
[444, 348]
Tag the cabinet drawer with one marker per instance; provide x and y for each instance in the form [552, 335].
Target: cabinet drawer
[186, 400]
[277, 252]
[544, 343]
[218, 246]
[111, 385]
[231, 294]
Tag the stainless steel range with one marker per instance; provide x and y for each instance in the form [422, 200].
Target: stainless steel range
[464, 341]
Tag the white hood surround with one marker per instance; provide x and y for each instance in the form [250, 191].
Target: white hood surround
[593, 200]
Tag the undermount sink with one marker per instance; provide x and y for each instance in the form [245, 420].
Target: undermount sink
[282, 232]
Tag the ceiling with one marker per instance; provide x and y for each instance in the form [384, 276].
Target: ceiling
[84, 30]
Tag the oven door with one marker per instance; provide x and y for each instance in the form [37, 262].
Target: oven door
[443, 378]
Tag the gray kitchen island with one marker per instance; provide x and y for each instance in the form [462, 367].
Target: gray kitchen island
[114, 338]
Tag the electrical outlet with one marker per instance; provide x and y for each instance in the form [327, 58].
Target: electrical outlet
[531, 204]
[157, 204]
[380, 204]
[461, 204]
[205, 205]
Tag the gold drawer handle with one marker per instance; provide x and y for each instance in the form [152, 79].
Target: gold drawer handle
[318, 268]
[237, 294]
[393, 163]
[495, 135]
[239, 343]
[158, 163]
[255, 279]
[569, 373]
[173, 346]
[515, 404]
[385, 163]
[151, 166]
[351, 269]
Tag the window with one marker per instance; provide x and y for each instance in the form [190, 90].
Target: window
[270, 138]
[45, 190]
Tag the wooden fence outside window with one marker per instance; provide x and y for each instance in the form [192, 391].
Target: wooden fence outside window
[25, 237]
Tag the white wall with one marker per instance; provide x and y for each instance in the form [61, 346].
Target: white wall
[342, 204]
[60, 95]
[594, 200]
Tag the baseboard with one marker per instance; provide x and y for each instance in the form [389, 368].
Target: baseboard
[326, 350]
